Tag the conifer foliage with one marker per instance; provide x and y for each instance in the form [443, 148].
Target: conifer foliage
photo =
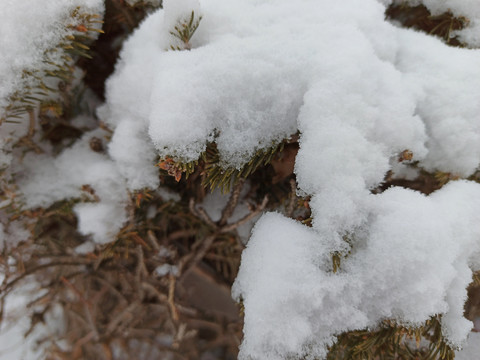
[223, 179]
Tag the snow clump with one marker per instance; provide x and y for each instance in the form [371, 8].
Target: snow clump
[79, 173]
[29, 28]
[360, 91]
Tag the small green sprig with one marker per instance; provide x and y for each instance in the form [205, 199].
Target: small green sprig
[184, 32]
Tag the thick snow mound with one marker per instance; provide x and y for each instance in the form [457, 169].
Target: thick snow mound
[411, 261]
[360, 91]
[258, 71]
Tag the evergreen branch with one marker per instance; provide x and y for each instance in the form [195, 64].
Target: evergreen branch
[184, 32]
[24, 100]
[216, 175]
[394, 341]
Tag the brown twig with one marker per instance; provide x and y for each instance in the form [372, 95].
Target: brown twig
[246, 218]
[200, 213]
[292, 199]
[112, 289]
[181, 234]
[9, 285]
[232, 203]
[152, 239]
[27, 140]
[126, 314]
[171, 298]
[91, 321]
[160, 296]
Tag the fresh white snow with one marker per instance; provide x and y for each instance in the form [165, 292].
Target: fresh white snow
[471, 351]
[28, 28]
[47, 180]
[360, 90]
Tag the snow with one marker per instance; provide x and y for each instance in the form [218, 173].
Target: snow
[265, 72]
[411, 261]
[17, 321]
[43, 25]
[12, 233]
[135, 157]
[360, 91]
[46, 180]
[29, 30]
[471, 351]
[262, 110]
[166, 269]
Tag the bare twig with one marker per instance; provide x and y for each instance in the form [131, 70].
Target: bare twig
[77, 317]
[141, 269]
[204, 324]
[171, 298]
[201, 213]
[91, 321]
[152, 289]
[189, 261]
[292, 198]
[82, 341]
[112, 289]
[125, 315]
[232, 203]
[153, 240]
[246, 218]
[27, 140]
[76, 262]
[181, 234]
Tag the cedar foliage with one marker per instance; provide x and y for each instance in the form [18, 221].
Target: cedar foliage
[115, 302]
